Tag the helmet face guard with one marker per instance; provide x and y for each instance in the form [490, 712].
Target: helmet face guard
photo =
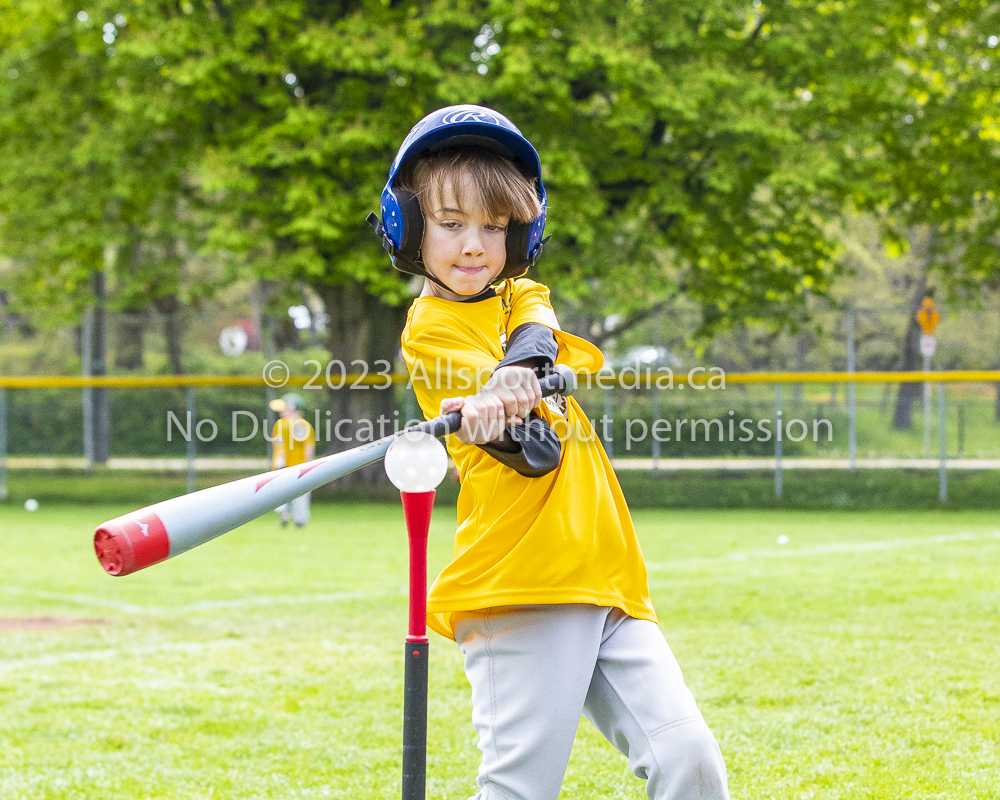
[401, 223]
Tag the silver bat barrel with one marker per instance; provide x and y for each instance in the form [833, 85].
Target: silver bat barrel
[137, 540]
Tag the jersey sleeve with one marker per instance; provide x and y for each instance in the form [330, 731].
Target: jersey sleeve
[539, 448]
[531, 345]
[529, 303]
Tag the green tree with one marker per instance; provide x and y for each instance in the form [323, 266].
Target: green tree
[694, 151]
[92, 180]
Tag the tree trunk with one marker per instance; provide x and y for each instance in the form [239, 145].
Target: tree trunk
[101, 425]
[362, 330]
[801, 350]
[129, 345]
[910, 358]
[259, 296]
[169, 306]
[131, 325]
[908, 393]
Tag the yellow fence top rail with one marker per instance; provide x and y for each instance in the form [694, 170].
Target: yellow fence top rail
[936, 376]
[605, 379]
[167, 381]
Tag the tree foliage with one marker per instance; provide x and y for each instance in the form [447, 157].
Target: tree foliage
[698, 150]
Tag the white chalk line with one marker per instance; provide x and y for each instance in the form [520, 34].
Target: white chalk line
[80, 599]
[55, 659]
[203, 605]
[251, 602]
[825, 549]
[336, 597]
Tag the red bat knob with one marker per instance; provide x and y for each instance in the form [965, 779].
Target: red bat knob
[129, 543]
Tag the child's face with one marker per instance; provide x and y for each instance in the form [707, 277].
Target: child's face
[462, 247]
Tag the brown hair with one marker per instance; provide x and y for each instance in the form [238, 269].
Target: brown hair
[499, 189]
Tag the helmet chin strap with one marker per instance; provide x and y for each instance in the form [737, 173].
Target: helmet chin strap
[413, 266]
[427, 274]
[464, 297]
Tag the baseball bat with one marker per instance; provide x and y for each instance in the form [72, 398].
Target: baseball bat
[153, 534]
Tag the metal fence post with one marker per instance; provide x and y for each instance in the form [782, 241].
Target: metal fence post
[852, 409]
[267, 348]
[609, 440]
[927, 410]
[269, 397]
[655, 405]
[87, 369]
[655, 409]
[779, 487]
[943, 445]
[191, 446]
[960, 449]
[410, 404]
[3, 443]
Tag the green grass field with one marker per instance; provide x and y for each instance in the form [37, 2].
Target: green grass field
[860, 660]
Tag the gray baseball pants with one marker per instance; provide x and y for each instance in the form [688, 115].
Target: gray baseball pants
[298, 509]
[535, 669]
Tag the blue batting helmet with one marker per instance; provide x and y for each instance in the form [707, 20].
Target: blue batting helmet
[401, 224]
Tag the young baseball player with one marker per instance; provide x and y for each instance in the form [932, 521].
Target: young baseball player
[547, 593]
[292, 442]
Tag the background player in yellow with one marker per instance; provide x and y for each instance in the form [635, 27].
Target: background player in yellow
[293, 442]
[547, 593]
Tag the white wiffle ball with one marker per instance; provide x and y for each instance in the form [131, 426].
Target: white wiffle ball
[416, 462]
[31, 505]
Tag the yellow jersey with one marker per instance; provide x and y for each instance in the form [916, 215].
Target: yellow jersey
[564, 537]
[292, 436]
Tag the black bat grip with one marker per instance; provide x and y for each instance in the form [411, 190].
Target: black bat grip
[562, 380]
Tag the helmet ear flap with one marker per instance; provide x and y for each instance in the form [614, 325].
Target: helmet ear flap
[517, 249]
[413, 223]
